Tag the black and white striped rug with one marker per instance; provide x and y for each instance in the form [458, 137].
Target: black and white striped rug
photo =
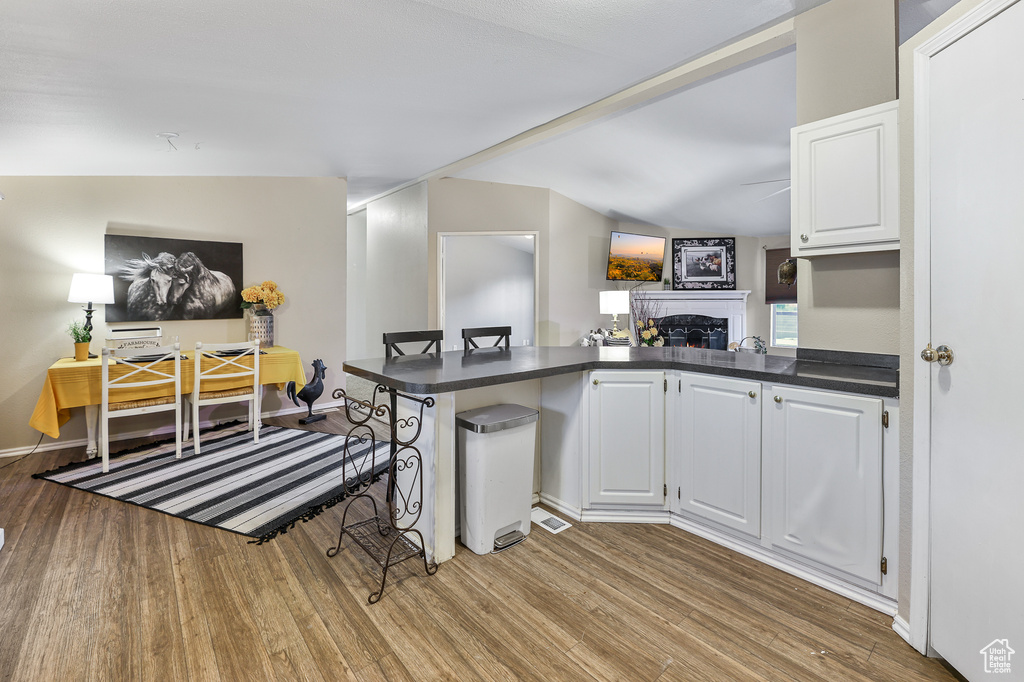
[255, 489]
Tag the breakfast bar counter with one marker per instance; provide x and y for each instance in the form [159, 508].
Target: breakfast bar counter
[446, 378]
[865, 373]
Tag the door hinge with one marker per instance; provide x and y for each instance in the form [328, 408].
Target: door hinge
[885, 419]
[665, 489]
[680, 385]
[666, 385]
[679, 493]
[885, 566]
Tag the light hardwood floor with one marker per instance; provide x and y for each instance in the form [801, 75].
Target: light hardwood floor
[95, 589]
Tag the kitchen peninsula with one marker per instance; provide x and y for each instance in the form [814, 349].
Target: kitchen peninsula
[777, 457]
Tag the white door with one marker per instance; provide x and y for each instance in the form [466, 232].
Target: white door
[719, 427]
[627, 438]
[976, 200]
[823, 460]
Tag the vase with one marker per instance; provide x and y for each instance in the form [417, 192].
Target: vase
[81, 351]
[261, 324]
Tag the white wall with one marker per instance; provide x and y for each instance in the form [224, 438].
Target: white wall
[396, 266]
[572, 251]
[846, 60]
[292, 231]
[356, 287]
[472, 206]
[488, 282]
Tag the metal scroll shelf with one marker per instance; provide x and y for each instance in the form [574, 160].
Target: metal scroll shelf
[388, 541]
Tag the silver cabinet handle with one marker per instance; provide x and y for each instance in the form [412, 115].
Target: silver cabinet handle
[778, 398]
[596, 382]
[752, 394]
[804, 237]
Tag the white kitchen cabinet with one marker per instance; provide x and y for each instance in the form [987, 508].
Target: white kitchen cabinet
[718, 427]
[823, 476]
[627, 438]
[845, 183]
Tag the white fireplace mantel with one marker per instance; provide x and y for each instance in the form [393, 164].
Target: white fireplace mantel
[695, 295]
[730, 303]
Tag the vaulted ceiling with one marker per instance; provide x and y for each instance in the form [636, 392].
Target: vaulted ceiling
[387, 91]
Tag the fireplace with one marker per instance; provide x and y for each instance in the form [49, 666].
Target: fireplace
[695, 331]
[699, 318]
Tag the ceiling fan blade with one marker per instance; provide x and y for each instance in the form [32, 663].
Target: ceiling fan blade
[784, 189]
[763, 182]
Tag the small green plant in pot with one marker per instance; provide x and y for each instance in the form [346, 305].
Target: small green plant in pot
[81, 336]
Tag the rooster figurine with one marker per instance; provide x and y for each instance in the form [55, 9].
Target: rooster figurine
[310, 392]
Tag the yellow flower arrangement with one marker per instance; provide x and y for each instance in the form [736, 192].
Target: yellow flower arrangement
[266, 293]
[649, 335]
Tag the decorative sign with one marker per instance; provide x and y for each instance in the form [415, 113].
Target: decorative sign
[138, 337]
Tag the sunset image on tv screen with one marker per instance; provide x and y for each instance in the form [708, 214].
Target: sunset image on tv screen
[636, 257]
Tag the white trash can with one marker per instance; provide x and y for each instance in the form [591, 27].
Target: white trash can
[496, 452]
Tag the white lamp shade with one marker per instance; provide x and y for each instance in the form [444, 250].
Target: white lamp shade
[88, 288]
[614, 302]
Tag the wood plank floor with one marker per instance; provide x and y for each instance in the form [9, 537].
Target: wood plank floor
[95, 589]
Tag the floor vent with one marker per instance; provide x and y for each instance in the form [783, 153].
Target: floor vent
[548, 521]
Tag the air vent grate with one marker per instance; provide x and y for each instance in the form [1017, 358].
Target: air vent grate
[548, 521]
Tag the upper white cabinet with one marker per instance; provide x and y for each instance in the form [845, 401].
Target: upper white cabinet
[627, 438]
[719, 446]
[845, 175]
[823, 469]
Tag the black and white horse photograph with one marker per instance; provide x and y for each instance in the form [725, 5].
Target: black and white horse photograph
[172, 279]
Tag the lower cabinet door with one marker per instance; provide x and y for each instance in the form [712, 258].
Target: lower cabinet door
[824, 452]
[627, 438]
[719, 430]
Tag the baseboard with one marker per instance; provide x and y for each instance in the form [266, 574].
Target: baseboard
[625, 516]
[560, 506]
[811, 575]
[162, 431]
[902, 628]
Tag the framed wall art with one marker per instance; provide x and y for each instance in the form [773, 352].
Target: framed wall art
[172, 279]
[704, 263]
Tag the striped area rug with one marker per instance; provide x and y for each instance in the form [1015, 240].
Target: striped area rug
[255, 489]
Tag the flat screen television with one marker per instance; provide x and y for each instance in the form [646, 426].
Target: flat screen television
[635, 257]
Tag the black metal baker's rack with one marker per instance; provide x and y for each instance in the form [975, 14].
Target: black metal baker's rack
[388, 541]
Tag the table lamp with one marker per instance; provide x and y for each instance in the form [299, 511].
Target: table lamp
[613, 303]
[88, 289]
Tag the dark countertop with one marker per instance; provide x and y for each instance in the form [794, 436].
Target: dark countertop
[456, 371]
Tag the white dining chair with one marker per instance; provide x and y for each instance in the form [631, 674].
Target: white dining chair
[215, 365]
[134, 384]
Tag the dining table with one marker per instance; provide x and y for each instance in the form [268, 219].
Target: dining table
[71, 384]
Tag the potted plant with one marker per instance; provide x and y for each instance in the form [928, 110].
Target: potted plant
[668, 283]
[82, 336]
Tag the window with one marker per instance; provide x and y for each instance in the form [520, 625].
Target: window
[784, 325]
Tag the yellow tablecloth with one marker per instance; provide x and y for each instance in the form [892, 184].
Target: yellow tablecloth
[71, 384]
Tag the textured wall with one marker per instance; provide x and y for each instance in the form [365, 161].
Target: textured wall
[292, 231]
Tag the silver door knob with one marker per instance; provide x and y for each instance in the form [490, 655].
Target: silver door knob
[752, 394]
[943, 355]
[804, 237]
[778, 398]
[596, 382]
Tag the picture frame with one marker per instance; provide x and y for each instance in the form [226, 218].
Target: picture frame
[704, 263]
[159, 278]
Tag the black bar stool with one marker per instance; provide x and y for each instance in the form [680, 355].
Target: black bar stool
[469, 336]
